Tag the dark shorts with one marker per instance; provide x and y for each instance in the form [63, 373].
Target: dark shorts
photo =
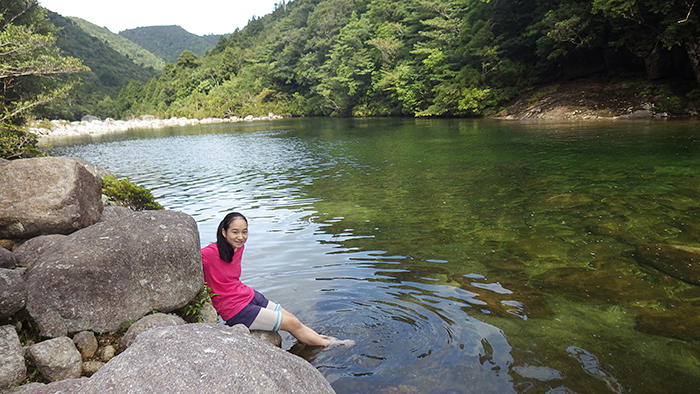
[259, 314]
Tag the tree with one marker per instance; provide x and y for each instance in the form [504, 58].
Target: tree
[30, 71]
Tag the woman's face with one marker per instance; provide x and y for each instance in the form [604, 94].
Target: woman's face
[237, 233]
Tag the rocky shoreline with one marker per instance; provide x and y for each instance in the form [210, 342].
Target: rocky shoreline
[80, 280]
[93, 125]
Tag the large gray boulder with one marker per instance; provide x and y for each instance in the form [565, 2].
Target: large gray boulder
[112, 272]
[48, 195]
[12, 367]
[205, 358]
[13, 292]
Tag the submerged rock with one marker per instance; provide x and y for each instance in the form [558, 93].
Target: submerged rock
[682, 322]
[505, 297]
[680, 262]
[597, 287]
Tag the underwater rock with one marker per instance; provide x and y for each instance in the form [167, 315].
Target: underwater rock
[682, 322]
[560, 201]
[505, 297]
[600, 251]
[539, 247]
[597, 287]
[605, 226]
[680, 262]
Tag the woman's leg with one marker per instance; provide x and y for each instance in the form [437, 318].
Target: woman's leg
[302, 333]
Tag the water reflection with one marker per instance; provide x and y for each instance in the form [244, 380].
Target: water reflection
[463, 256]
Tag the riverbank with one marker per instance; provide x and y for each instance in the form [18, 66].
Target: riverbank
[600, 99]
[91, 125]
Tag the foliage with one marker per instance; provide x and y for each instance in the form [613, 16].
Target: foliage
[191, 312]
[16, 143]
[109, 72]
[121, 44]
[31, 67]
[127, 194]
[418, 57]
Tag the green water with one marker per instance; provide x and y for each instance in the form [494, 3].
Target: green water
[470, 256]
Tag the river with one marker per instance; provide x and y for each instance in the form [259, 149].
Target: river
[463, 256]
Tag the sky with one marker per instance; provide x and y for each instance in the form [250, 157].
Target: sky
[200, 17]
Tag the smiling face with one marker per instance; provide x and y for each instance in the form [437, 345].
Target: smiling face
[237, 233]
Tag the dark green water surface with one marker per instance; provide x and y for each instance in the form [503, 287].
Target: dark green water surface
[462, 256]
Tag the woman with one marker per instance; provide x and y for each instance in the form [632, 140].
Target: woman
[237, 303]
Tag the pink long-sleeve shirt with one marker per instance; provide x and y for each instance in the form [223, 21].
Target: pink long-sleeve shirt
[231, 295]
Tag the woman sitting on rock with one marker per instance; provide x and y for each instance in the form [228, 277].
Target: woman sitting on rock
[237, 303]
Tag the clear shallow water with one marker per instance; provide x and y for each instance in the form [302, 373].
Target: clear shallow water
[463, 256]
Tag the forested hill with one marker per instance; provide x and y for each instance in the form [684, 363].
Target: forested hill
[109, 72]
[168, 42]
[121, 44]
[423, 57]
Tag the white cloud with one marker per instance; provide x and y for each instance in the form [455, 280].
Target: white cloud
[199, 17]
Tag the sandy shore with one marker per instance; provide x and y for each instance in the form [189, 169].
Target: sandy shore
[97, 126]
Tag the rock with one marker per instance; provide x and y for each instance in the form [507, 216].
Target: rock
[107, 353]
[682, 322]
[90, 367]
[86, 343]
[7, 259]
[67, 386]
[638, 114]
[47, 195]
[8, 244]
[680, 262]
[148, 322]
[205, 358]
[114, 212]
[90, 118]
[13, 293]
[112, 272]
[57, 359]
[208, 314]
[33, 250]
[597, 287]
[12, 367]
[504, 297]
[272, 337]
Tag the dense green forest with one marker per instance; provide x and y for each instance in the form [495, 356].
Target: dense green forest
[109, 72]
[120, 44]
[31, 72]
[168, 42]
[420, 57]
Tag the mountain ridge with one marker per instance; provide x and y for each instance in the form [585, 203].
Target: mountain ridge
[169, 41]
[121, 44]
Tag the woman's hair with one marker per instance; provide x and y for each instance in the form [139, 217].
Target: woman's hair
[226, 250]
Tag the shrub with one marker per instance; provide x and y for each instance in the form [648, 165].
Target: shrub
[127, 194]
[16, 143]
